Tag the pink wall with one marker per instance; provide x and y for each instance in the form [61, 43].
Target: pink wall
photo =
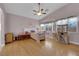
[16, 24]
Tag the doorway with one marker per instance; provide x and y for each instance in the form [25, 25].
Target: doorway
[2, 37]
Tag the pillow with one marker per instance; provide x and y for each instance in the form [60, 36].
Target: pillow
[32, 31]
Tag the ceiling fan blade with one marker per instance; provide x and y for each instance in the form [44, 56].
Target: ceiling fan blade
[46, 10]
[42, 9]
[35, 14]
[34, 11]
[43, 13]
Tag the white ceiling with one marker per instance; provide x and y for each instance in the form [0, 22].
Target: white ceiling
[26, 9]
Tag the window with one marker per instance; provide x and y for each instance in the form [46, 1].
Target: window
[46, 27]
[72, 24]
[62, 22]
[49, 27]
[42, 27]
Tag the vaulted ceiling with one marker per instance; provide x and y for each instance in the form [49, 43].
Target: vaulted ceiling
[26, 9]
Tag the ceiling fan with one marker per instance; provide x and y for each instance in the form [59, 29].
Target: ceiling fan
[40, 11]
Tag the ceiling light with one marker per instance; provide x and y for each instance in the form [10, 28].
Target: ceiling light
[39, 14]
[40, 11]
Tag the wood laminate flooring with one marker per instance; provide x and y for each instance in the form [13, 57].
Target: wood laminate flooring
[30, 47]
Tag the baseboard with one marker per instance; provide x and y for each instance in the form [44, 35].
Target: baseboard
[77, 43]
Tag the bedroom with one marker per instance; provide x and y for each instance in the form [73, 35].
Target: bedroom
[28, 32]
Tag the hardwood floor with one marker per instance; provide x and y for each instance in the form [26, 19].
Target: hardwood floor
[29, 47]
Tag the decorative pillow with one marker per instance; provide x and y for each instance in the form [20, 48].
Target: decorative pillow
[32, 31]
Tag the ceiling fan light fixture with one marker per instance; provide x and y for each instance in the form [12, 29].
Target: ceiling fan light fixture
[40, 11]
[39, 14]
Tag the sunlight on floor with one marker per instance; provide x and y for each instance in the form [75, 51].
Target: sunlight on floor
[71, 53]
[48, 44]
